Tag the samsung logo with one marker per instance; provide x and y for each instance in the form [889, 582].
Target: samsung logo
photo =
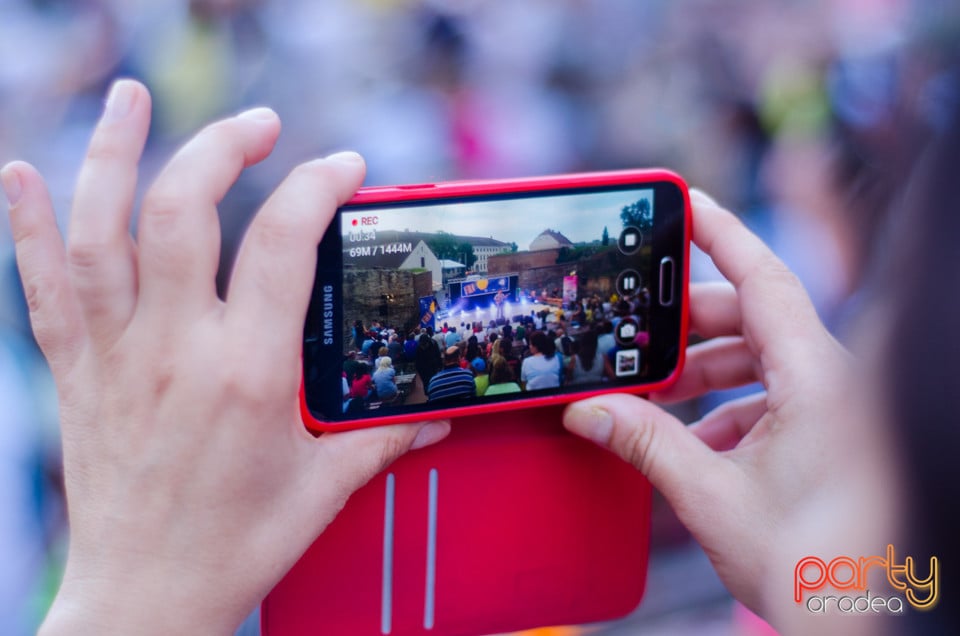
[328, 314]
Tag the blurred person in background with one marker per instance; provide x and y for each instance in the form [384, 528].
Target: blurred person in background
[587, 364]
[384, 379]
[542, 368]
[501, 378]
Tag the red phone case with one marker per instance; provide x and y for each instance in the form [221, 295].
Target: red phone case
[510, 523]
[420, 192]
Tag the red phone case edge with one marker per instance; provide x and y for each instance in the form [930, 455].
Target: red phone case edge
[384, 194]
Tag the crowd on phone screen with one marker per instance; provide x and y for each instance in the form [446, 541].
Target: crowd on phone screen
[546, 349]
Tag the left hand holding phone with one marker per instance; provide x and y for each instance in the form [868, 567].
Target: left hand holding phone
[191, 482]
[737, 477]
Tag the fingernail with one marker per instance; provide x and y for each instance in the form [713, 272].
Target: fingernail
[431, 433]
[258, 114]
[590, 421]
[12, 186]
[120, 100]
[348, 156]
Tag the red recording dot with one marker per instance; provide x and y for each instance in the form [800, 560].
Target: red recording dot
[353, 222]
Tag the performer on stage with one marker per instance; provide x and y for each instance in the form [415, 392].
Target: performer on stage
[499, 300]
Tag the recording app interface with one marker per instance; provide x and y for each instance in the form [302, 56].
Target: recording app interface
[454, 302]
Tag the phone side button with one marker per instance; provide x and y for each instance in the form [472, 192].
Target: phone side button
[667, 270]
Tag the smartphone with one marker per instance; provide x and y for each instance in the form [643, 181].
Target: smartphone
[437, 300]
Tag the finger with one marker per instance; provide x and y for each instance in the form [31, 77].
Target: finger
[179, 232]
[714, 310]
[272, 280]
[655, 442]
[778, 319]
[724, 427]
[356, 456]
[101, 254]
[714, 365]
[41, 259]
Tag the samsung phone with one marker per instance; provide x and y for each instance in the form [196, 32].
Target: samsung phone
[434, 300]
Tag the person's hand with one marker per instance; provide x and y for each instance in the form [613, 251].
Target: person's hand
[736, 477]
[192, 485]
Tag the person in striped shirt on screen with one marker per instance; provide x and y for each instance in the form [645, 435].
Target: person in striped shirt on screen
[452, 383]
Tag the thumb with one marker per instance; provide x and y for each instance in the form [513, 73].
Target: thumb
[352, 458]
[655, 442]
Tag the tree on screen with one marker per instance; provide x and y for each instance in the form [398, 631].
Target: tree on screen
[465, 254]
[638, 215]
[446, 245]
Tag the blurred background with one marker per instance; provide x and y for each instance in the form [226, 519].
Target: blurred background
[784, 110]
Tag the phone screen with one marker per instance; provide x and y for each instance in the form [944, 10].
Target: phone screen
[445, 302]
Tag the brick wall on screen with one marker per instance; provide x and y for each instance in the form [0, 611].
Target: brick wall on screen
[364, 291]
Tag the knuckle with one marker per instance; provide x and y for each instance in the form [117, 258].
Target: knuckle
[242, 382]
[387, 451]
[778, 284]
[392, 448]
[777, 270]
[770, 273]
[159, 383]
[37, 291]
[275, 234]
[40, 299]
[639, 446]
[105, 147]
[116, 356]
[161, 208]
[84, 255]
[45, 301]
[22, 232]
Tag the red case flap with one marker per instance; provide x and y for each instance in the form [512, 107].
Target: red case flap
[533, 526]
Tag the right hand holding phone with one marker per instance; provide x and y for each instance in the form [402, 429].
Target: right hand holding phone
[191, 482]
